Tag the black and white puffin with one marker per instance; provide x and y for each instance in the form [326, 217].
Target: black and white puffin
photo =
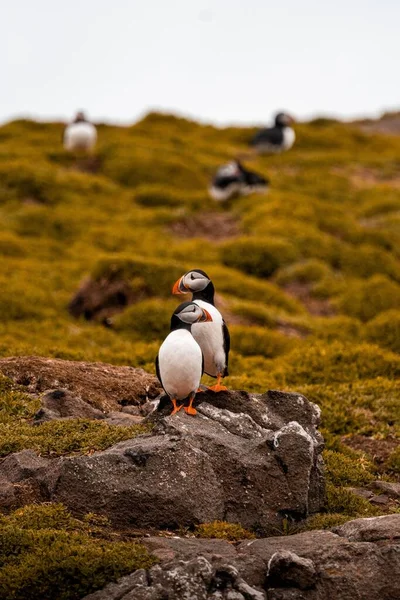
[275, 139]
[180, 363]
[213, 338]
[233, 179]
[80, 134]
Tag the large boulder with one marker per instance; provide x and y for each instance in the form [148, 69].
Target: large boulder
[102, 386]
[249, 459]
[314, 565]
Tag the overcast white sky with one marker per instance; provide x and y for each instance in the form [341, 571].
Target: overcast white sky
[224, 61]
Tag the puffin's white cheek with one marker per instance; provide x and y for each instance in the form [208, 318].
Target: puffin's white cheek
[198, 284]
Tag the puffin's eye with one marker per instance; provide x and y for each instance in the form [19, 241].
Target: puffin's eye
[191, 276]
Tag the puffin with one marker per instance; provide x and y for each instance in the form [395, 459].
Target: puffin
[213, 338]
[275, 139]
[80, 134]
[233, 179]
[180, 362]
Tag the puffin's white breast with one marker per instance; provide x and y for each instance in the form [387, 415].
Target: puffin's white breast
[180, 361]
[289, 137]
[210, 338]
[222, 194]
[80, 136]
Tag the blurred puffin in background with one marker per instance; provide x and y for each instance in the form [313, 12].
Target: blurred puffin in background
[80, 134]
[275, 139]
[180, 363]
[233, 179]
[213, 338]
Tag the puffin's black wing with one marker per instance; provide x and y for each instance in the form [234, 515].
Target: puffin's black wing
[252, 178]
[272, 135]
[227, 345]
[158, 369]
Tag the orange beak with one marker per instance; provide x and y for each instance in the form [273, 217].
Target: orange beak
[206, 315]
[180, 288]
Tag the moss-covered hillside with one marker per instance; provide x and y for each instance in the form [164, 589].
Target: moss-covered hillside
[308, 275]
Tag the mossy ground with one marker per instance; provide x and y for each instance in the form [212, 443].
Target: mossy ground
[46, 553]
[310, 284]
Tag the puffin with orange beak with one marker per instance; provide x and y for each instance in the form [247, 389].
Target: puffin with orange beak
[180, 362]
[213, 338]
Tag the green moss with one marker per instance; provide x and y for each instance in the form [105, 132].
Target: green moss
[339, 327]
[384, 330]
[342, 470]
[11, 245]
[58, 438]
[160, 195]
[308, 271]
[45, 553]
[337, 362]
[257, 256]
[150, 276]
[393, 462]
[250, 341]
[366, 299]
[233, 532]
[343, 501]
[324, 521]
[149, 319]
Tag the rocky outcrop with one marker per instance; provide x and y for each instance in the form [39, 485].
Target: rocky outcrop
[196, 579]
[79, 384]
[361, 561]
[248, 459]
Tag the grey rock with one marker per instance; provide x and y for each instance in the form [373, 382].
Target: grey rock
[314, 565]
[390, 488]
[23, 465]
[61, 403]
[253, 470]
[286, 569]
[371, 529]
[115, 591]
[218, 552]
[7, 495]
[344, 569]
[195, 579]
[123, 419]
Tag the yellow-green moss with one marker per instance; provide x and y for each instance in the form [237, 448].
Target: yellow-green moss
[366, 299]
[250, 341]
[57, 438]
[343, 470]
[257, 256]
[232, 532]
[149, 319]
[46, 553]
[343, 501]
[384, 330]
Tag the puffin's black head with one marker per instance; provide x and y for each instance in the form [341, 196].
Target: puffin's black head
[283, 120]
[197, 282]
[188, 313]
[80, 117]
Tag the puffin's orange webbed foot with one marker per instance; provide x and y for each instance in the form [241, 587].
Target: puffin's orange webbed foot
[189, 410]
[176, 407]
[218, 388]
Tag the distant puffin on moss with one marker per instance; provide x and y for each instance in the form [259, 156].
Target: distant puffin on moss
[275, 139]
[80, 134]
[233, 179]
[180, 362]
